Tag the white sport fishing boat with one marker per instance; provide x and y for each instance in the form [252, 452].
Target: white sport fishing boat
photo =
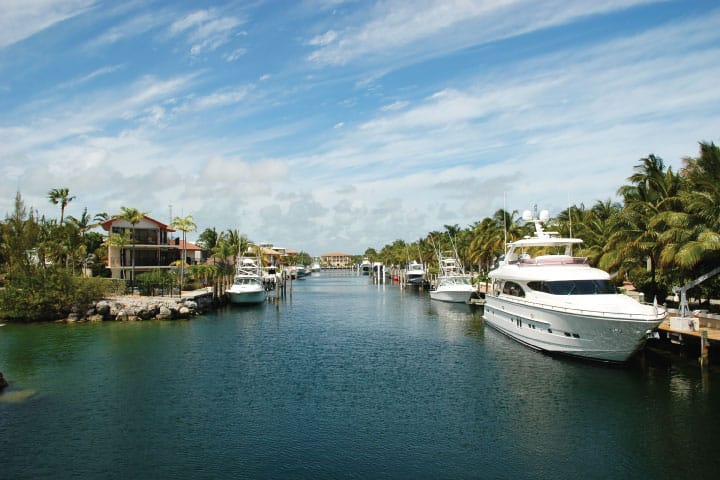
[544, 297]
[365, 266]
[247, 287]
[415, 273]
[453, 285]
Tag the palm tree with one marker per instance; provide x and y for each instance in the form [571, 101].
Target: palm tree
[61, 196]
[83, 223]
[489, 237]
[222, 251]
[701, 201]
[133, 216]
[184, 225]
[593, 226]
[208, 239]
[654, 190]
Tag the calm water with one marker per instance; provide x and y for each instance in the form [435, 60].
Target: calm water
[344, 380]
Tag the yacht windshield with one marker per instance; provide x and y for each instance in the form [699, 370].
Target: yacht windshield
[574, 287]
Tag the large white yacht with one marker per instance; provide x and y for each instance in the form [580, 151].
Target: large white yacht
[247, 287]
[550, 300]
[453, 285]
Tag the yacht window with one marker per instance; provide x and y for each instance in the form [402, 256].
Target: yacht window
[574, 287]
[512, 288]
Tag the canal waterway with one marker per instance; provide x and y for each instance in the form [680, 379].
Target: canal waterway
[343, 379]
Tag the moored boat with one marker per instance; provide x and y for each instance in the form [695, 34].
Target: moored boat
[548, 299]
[453, 285]
[247, 287]
[365, 267]
[415, 273]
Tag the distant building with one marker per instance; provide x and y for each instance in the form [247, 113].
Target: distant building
[193, 253]
[336, 260]
[153, 248]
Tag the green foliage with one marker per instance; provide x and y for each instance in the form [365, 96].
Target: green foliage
[303, 258]
[156, 281]
[208, 239]
[43, 294]
[665, 232]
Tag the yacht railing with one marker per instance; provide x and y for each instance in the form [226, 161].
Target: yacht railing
[595, 313]
[552, 260]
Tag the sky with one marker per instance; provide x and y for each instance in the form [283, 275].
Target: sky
[338, 125]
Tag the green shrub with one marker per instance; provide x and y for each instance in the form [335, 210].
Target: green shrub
[48, 294]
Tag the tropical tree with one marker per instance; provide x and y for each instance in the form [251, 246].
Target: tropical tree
[203, 272]
[133, 216]
[489, 237]
[100, 218]
[594, 226]
[60, 196]
[83, 224]
[185, 225]
[208, 239]
[653, 190]
[701, 202]
[20, 236]
[239, 243]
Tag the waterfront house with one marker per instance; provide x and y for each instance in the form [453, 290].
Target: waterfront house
[153, 247]
[336, 260]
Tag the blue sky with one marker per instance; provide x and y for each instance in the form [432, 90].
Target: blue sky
[331, 125]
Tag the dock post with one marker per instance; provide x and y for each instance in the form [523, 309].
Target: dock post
[704, 348]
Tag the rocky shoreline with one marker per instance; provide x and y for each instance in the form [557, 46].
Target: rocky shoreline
[128, 308]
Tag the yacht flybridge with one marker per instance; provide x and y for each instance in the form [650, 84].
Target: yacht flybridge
[548, 299]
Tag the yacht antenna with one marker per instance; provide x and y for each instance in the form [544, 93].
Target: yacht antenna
[437, 253]
[452, 242]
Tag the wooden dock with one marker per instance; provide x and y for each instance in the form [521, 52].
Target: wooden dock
[698, 335]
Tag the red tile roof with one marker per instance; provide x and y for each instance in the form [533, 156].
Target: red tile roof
[107, 224]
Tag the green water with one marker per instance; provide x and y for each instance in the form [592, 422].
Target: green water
[344, 380]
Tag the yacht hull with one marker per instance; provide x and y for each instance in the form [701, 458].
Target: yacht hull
[247, 297]
[591, 335]
[452, 296]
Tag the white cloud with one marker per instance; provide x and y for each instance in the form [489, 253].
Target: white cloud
[235, 54]
[21, 19]
[401, 29]
[133, 27]
[409, 155]
[207, 30]
[394, 106]
[100, 72]
[190, 20]
[223, 97]
[325, 39]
